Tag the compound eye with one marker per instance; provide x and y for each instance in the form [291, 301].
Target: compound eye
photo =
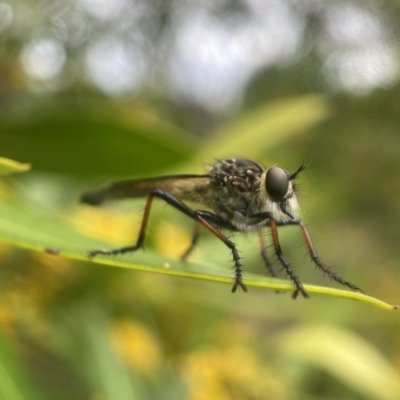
[276, 183]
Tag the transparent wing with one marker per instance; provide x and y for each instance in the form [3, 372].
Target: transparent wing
[186, 187]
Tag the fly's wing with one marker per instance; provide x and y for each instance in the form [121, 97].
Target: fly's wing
[185, 187]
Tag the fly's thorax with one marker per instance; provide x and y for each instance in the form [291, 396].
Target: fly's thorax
[236, 188]
[197, 190]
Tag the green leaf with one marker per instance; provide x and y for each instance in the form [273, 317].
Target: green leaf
[255, 132]
[105, 372]
[94, 143]
[8, 166]
[15, 383]
[19, 226]
[346, 356]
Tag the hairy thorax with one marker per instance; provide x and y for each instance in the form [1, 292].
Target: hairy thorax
[237, 190]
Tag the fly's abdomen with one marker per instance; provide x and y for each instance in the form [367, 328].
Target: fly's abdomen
[185, 187]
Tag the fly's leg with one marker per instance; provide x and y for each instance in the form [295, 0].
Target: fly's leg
[214, 222]
[140, 239]
[195, 239]
[269, 264]
[258, 218]
[267, 261]
[269, 220]
[204, 218]
[289, 270]
[321, 265]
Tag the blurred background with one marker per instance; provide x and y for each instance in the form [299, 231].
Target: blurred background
[96, 90]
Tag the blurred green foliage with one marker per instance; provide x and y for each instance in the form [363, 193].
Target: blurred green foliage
[79, 330]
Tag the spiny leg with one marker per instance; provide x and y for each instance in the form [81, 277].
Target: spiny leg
[205, 218]
[267, 261]
[321, 265]
[140, 240]
[211, 221]
[289, 270]
[264, 255]
[314, 256]
[195, 239]
[270, 221]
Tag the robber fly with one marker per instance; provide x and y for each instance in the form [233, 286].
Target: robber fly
[242, 195]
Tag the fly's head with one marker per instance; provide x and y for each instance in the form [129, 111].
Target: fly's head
[280, 189]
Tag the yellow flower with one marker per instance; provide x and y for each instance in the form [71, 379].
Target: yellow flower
[136, 345]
